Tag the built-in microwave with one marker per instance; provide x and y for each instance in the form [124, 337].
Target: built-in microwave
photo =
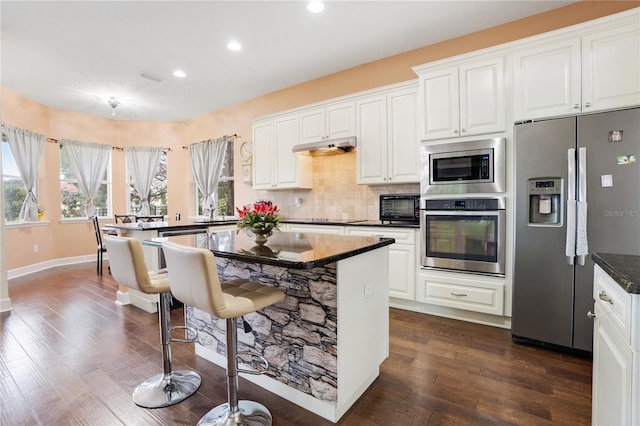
[463, 167]
[400, 208]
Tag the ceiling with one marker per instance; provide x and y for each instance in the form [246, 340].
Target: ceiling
[73, 55]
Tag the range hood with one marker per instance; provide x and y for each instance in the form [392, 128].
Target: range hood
[326, 147]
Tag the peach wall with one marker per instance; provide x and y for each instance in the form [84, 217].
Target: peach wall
[59, 240]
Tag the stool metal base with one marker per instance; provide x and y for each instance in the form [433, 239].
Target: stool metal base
[250, 413]
[163, 390]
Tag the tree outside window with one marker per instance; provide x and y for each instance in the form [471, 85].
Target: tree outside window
[72, 199]
[224, 195]
[158, 194]
[14, 192]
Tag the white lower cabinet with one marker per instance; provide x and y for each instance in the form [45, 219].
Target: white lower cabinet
[468, 292]
[616, 353]
[402, 257]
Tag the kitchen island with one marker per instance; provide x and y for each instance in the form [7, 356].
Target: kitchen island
[326, 340]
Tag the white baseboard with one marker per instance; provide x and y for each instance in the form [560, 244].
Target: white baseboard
[37, 267]
[5, 305]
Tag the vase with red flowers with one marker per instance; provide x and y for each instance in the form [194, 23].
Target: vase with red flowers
[261, 219]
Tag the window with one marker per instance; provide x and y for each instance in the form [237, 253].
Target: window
[158, 194]
[223, 196]
[72, 199]
[14, 192]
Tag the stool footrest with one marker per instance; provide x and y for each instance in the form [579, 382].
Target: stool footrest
[188, 330]
[265, 363]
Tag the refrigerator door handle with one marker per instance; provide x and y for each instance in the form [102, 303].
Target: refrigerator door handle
[570, 244]
[582, 244]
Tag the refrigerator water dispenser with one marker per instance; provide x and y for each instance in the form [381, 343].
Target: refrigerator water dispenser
[545, 201]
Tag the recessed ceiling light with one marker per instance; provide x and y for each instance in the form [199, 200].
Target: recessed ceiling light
[234, 45]
[179, 73]
[315, 6]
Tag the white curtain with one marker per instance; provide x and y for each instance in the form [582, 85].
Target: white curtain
[143, 165]
[207, 159]
[26, 148]
[89, 163]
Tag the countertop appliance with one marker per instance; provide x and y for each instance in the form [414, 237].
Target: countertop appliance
[463, 167]
[400, 208]
[576, 186]
[464, 234]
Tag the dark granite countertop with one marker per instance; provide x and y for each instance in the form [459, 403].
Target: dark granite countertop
[296, 250]
[623, 268]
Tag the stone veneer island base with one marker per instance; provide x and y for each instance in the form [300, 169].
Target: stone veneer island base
[326, 340]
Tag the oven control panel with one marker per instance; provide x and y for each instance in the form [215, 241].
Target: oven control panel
[477, 204]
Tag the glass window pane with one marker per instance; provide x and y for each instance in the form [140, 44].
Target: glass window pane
[14, 195]
[72, 200]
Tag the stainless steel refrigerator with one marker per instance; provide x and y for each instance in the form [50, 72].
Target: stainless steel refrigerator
[577, 191]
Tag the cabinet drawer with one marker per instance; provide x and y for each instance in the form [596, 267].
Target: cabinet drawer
[316, 229]
[614, 301]
[401, 235]
[469, 295]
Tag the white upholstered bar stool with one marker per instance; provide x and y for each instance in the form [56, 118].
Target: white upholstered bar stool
[129, 269]
[193, 276]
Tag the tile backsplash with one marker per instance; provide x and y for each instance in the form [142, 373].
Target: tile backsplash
[335, 194]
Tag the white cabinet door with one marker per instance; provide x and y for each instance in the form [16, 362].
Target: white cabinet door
[371, 135]
[340, 121]
[547, 80]
[386, 130]
[402, 271]
[275, 166]
[612, 374]
[611, 69]
[482, 97]
[402, 258]
[439, 104]
[262, 155]
[463, 101]
[404, 159]
[312, 125]
[286, 162]
[329, 122]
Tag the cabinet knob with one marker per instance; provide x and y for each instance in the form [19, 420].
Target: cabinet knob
[603, 296]
[591, 315]
[455, 131]
[463, 130]
[576, 106]
[588, 104]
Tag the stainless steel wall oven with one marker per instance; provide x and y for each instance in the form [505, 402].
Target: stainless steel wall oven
[464, 234]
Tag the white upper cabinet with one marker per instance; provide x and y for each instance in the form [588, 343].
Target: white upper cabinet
[611, 69]
[465, 100]
[387, 149]
[547, 80]
[595, 72]
[275, 166]
[332, 121]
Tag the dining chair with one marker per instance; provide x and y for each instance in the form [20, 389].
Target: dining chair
[101, 248]
[125, 218]
[152, 218]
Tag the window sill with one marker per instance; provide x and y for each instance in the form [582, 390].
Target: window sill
[12, 225]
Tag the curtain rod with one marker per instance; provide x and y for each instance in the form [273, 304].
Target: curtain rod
[117, 148]
[233, 136]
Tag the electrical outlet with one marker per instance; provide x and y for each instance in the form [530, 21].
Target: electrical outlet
[35, 248]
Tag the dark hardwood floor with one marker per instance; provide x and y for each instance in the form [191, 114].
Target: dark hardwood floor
[69, 356]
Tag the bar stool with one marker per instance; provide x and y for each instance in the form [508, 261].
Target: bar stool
[128, 268]
[193, 277]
